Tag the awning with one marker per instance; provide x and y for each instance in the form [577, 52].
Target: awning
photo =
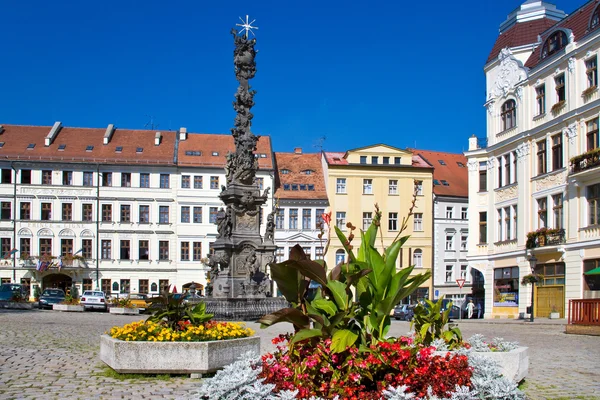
[595, 271]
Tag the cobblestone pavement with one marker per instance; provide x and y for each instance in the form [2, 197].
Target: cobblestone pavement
[52, 355]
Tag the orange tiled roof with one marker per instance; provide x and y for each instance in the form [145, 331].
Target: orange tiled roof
[520, 34]
[452, 173]
[296, 164]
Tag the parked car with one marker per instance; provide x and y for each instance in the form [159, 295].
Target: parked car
[50, 297]
[93, 299]
[139, 300]
[404, 312]
[10, 290]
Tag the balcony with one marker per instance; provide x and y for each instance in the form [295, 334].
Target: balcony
[545, 237]
[585, 161]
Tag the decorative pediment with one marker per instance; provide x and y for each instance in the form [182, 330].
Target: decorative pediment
[511, 72]
[25, 232]
[86, 233]
[300, 237]
[45, 232]
[66, 233]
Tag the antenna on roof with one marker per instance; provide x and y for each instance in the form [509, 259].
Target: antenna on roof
[319, 142]
[151, 123]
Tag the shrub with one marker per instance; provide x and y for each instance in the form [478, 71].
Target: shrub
[124, 302]
[37, 292]
[431, 323]
[70, 300]
[171, 309]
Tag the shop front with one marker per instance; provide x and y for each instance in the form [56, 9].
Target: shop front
[506, 292]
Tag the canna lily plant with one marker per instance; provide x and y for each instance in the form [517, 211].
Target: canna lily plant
[352, 307]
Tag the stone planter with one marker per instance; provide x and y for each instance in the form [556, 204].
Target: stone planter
[67, 307]
[16, 305]
[173, 357]
[124, 310]
[554, 315]
[514, 364]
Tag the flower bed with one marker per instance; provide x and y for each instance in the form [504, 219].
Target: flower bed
[68, 307]
[124, 310]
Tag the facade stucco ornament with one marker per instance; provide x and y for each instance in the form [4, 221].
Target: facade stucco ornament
[491, 163]
[473, 165]
[557, 72]
[490, 107]
[551, 181]
[509, 193]
[522, 150]
[538, 82]
[589, 54]
[570, 132]
[511, 72]
[571, 65]
[520, 93]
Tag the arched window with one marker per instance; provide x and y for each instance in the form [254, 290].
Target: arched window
[595, 21]
[153, 287]
[555, 42]
[509, 115]
[340, 257]
[115, 287]
[418, 258]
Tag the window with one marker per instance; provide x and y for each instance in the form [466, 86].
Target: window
[506, 287]
[6, 176]
[514, 157]
[106, 246]
[319, 253]
[464, 212]
[340, 185]
[557, 210]
[118, 149]
[449, 212]
[185, 214]
[591, 72]
[163, 214]
[386, 160]
[340, 257]
[463, 272]
[107, 179]
[540, 99]
[185, 181]
[214, 182]
[125, 179]
[555, 42]
[507, 172]
[449, 273]
[46, 211]
[507, 223]
[542, 205]
[418, 258]
[306, 219]
[449, 241]
[165, 181]
[593, 200]
[340, 219]
[25, 211]
[185, 251]
[374, 160]
[509, 115]
[363, 159]
[284, 171]
[393, 221]
[212, 215]
[483, 176]
[557, 152]
[89, 148]
[560, 88]
[25, 247]
[163, 250]
[143, 286]
[483, 227]
[197, 251]
[419, 188]
[144, 180]
[197, 182]
[143, 250]
[45, 246]
[367, 186]
[293, 218]
[418, 222]
[125, 285]
[106, 286]
[87, 284]
[397, 160]
[445, 183]
[144, 214]
[260, 182]
[163, 284]
[541, 157]
[6, 210]
[319, 218]
[67, 212]
[125, 250]
[367, 219]
[88, 178]
[86, 212]
[125, 213]
[47, 177]
[595, 21]
[197, 215]
[592, 134]
[106, 212]
[307, 251]
[393, 186]
[514, 214]
[500, 236]
[499, 171]
[279, 218]
[26, 176]
[86, 248]
[463, 241]
[279, 254]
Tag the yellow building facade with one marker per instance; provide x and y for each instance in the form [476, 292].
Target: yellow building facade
[384, 175]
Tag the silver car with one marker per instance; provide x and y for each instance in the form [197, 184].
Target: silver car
[94, 300]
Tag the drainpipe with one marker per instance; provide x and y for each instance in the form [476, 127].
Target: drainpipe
[14, 221]
[98, 287]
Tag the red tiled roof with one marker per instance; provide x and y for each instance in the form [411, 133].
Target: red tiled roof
[520, 34]
[207, 144]
[17, 138]
[455, 175]
[296, 164]
[577, 22]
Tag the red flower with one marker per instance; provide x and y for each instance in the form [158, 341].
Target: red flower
[326, 218]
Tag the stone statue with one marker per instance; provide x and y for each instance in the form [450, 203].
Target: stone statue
[224, 222]
[270, 231]
[266, 193]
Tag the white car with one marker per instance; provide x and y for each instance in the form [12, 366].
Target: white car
[93, 299]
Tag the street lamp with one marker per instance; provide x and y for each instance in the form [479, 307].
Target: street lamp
[532, 264]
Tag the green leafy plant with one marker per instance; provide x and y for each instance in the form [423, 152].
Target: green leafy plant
[74, 292]
[333, 313]
[70, 300]
[431, 322]
[172, 309]
[37, 292]
[531, 279]
[124, 302]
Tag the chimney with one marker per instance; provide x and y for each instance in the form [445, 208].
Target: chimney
[182, 133]
[108, 134]
[473, 143]
[52, 134]
[298, 150]
[157, 138]
[1, 129]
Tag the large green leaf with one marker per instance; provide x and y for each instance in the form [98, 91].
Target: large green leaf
[326, 306]
[342, 339]
[292, 315]
[338, 291]
[288, 281]
[307, 268]
[344, 241]
[304, 334]
[367, 240]
[400, 287]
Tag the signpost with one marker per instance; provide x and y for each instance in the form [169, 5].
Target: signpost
[460, 282]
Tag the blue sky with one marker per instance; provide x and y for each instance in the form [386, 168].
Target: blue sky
[356, 73]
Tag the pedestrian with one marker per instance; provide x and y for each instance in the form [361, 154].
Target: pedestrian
[479, 309]
[470, 308]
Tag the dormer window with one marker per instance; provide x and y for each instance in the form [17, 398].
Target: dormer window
[1, 145]
[89, 148]
[285, 171]
[139, 150]
[193, 153]
[31, 146]
[595, 21]
[294, 186]
[461, 165]
[442, 162]
[445, 183]
[118, 149]
[311, 187]
[436, 182]
[215, 153]
[555, 42]
[62, 147]
[308, 171]
[286, 186]
[509, 115]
